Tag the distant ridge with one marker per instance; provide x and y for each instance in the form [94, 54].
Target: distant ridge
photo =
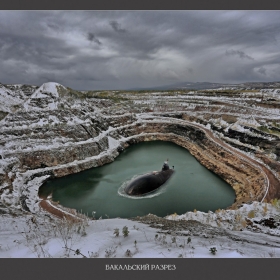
[209, 85]
[187, 85]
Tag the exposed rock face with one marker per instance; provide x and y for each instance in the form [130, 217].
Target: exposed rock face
[260, 139]
[61, 155]
[64, 133]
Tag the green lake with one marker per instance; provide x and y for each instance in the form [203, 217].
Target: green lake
[100, 189]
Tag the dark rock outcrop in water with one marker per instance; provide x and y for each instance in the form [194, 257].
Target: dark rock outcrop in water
[149, 182]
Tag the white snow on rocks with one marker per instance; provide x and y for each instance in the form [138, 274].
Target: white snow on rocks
[46, 88]
[7, 100]
[45, 97]
[113, 143]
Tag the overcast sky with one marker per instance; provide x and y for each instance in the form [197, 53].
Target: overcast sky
[130, 49]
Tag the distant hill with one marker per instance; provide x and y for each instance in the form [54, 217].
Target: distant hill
[186, 85]
[209, 85]
[261, 85]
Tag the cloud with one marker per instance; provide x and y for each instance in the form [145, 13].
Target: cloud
[117, 27]
[262, 71]
[91, 37]
[241, 54]
[158, 47]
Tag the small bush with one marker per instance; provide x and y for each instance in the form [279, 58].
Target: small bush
[125, 231]
[213, 250]
[116, 232]
[251, 214]
[109, 253]
[275, 202]
[128, 253]
[265, 209]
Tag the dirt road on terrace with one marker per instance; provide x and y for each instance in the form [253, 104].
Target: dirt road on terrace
[60, 213]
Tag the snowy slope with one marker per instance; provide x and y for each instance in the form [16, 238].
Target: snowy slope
[45, 97]
[8, 99]
[27, 236]
[46, 90]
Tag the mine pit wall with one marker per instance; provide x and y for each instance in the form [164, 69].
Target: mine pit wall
[246, 179]
[61, 155]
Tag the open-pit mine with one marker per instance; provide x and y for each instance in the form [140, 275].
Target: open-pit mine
[53, 131]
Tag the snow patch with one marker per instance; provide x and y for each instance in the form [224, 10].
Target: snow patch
[113, 143]
[50, 87]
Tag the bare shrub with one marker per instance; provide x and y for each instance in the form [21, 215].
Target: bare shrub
[37, 234]
[36, 237]
[69, 230]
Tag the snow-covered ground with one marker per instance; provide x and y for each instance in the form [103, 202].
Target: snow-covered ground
[199, 235]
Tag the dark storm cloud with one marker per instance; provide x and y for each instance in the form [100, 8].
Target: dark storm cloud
[123, 49]
[238, 53]
[117, 27]
[92, 38]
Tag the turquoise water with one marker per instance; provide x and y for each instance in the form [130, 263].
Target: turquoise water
[100, 189]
